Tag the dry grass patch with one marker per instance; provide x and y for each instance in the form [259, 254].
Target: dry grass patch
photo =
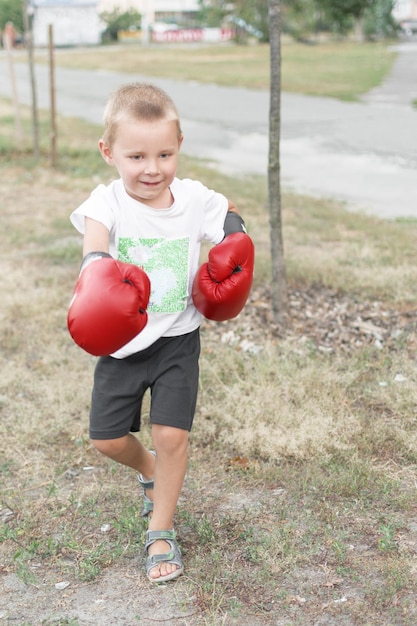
[350, 251]
[278, 403]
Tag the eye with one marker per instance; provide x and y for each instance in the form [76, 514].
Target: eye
[136, 157]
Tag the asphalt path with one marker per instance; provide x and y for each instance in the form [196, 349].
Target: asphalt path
[363, 154]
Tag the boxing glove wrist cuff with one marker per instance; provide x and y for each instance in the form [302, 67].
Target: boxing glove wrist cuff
[233, 223]
[93, 256]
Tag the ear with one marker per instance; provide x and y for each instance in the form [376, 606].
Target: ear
[180, 140]
[105, 152]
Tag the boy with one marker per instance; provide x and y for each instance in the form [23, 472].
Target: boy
[143, 232]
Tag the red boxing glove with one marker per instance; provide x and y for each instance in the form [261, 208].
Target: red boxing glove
[108, 308]
[221, 286]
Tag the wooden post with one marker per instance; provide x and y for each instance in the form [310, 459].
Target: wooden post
[8, 45]
[52, 94]
[28, 18]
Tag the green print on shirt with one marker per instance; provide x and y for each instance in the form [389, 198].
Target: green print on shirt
[166, 263]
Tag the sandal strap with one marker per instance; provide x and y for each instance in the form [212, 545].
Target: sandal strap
[145, 484]
[147, 506]
[155, 535]
[172, 556]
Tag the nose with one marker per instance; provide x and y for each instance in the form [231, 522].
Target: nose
[151, 167]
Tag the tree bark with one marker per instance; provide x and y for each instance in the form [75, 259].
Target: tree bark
[279, 283]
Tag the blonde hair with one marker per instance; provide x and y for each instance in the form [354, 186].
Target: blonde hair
[141, 101]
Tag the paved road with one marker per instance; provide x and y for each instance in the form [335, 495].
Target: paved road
[364, 154]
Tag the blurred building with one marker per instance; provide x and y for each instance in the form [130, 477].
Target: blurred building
[75, 22]
[405, 10]
[155, 10]
[78, 23]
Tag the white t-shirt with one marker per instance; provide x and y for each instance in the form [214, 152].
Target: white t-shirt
[165, 243]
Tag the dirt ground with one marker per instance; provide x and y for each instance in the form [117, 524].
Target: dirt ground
[120, 596]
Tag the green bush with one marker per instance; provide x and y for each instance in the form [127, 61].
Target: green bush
[11, 11]
[116, 21]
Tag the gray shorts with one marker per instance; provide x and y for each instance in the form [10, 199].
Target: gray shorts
[169, 368]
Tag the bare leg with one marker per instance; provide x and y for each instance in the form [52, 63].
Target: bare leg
[128, 451]
[171, 445]
[168, 471]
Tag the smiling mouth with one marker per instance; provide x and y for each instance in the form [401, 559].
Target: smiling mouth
[150, 183]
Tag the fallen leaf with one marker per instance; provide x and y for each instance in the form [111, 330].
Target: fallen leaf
[239, 462]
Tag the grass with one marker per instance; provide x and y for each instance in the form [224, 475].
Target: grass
[299, 503]
[336, 69]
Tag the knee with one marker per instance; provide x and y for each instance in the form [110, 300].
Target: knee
[169, 440]
[110, 447]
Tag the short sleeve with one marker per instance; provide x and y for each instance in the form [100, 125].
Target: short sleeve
[97, 207]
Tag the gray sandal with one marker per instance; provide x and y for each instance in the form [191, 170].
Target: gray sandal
[146, 484]
[173, 556]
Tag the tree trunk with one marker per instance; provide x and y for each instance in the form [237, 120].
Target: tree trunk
[359, 33]
[279, 285]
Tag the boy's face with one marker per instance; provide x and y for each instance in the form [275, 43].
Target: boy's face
[145, 155]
